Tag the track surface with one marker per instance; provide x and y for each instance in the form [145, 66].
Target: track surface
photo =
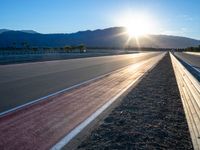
[41, 125]
[191, 59]
[22, 83]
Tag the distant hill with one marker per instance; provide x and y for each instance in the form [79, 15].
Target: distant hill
[110, 37]
[25, 31]
[3, 30]
[28, 31]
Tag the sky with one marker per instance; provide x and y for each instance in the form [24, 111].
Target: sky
[172, 17]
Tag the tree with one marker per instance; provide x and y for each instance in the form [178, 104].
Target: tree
[82, 48]
[35, 49]
[67, 49]
[25, 45]
[14, 45]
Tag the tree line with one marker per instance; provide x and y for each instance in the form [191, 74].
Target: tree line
[25, 46]
[193, 49]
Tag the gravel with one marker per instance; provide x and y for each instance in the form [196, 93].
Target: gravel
[150, 117]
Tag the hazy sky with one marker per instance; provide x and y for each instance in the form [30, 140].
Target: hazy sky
[175, 17]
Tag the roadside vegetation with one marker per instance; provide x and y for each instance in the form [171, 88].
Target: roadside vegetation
[193, 49]
[25, 48]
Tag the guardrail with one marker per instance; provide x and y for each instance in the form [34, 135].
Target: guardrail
[189, 89]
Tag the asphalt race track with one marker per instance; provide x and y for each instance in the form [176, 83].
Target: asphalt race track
[44, 124]
[22, 83]
[193, 60]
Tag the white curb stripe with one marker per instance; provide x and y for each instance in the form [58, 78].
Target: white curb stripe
[56, 93]
[80, 127]
[64, 141]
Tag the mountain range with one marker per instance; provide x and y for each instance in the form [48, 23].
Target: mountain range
[25, 31]
[110, 37]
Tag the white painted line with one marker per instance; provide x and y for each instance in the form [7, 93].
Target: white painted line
[56, 93]
[197, 69]
[193, 53]
[86, 122]
[80, 127]
[59, 92]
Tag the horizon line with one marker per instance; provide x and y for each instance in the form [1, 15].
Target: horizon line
[21, 30]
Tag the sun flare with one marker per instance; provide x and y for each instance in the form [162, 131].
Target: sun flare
[138, 25]
[136, 28]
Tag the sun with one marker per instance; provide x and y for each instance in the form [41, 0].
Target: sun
[138, 25]
[136, 28]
